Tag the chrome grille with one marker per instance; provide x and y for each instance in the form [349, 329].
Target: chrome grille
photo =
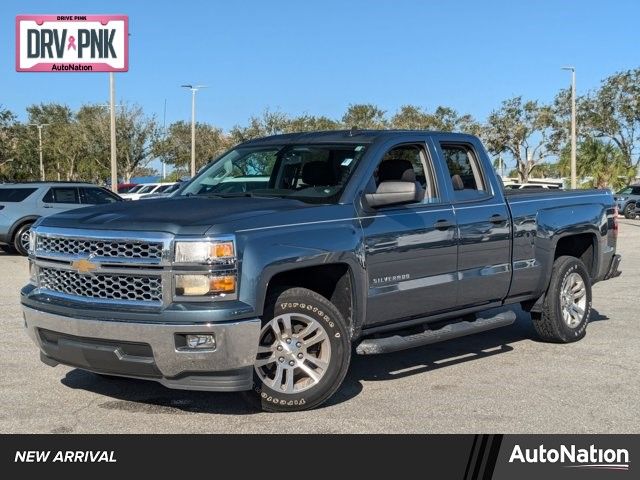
[121, 287]
[98, 248]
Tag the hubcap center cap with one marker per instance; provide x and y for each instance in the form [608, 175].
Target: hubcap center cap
[290, 350]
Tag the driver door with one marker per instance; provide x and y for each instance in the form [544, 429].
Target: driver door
[410, 250]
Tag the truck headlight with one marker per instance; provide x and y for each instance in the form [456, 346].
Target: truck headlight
[204, 252]
[202, 285]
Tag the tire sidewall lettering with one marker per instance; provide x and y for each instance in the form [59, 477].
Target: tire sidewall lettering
[319, 313]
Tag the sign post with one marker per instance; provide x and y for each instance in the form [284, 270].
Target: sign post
[112, 116]
[76, 43]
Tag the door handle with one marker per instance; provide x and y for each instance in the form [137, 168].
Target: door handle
[442, 225]
[47, 206]
[497, 218]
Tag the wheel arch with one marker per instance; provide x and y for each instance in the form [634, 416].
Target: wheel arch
[582, 245]
[19, 223]
[337, 282]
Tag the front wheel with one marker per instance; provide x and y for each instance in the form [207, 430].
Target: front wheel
[21, 239]
[303, 354]
[567, 305]
[630, 211]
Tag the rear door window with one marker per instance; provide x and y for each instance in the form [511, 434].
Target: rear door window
[62, 195]
[466, 174]
[15, 195]
[98, 196]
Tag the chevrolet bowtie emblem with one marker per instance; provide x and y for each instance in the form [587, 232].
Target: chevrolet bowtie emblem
[84, 266]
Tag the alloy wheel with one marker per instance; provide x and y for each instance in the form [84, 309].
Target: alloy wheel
[573, 300]
[293, 354]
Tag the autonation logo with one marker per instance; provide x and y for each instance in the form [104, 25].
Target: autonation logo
[574, 457]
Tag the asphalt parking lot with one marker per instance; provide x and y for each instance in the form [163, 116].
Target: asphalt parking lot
[500, 381]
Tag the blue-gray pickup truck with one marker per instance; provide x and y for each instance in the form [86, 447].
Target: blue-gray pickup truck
[288, 254]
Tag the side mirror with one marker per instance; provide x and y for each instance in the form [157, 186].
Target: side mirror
[392, 193]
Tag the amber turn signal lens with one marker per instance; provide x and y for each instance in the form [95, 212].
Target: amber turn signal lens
[220, 250]
[223, 284]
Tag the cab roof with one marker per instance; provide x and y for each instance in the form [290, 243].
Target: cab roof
[337, 136]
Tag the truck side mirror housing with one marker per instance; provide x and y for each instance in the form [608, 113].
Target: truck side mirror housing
[392, 193]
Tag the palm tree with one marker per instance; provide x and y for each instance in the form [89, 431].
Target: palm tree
[600, 164]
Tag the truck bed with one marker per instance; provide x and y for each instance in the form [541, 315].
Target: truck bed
[548, 192]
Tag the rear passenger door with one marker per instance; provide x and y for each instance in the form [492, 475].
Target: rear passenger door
[483, 223]
[61, 198]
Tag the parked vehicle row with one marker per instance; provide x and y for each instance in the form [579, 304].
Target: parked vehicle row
[21, 204]
[627, 201]
[144, 190]
[533, 184]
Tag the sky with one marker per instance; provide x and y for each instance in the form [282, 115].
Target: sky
[317, 57]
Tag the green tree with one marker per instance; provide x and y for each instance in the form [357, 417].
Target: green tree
[95, 129]
[364, 116]
[310, 123]
[9, 138]
[136, 134]
[443, 119]
[175, 147]
[547, 170]
[612, 113]
[523, 129]
[601, 164]
[270, 123]
[63, 145]
[410, 117]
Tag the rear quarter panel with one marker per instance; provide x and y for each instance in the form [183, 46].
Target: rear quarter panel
[540, 221]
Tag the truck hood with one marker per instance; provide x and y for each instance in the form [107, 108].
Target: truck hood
[179, 216]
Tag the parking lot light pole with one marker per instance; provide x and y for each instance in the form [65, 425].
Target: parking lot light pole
[194, 89]
[573, 125]
[40, 126]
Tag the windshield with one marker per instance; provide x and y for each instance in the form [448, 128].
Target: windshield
[146, 189]
[172, 188]
[136, 189]
[165, 188]
[311, 173]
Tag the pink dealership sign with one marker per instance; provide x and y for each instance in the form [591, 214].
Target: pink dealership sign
[72, 43]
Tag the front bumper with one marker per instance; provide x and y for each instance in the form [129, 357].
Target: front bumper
[614, 270]
[149, 350]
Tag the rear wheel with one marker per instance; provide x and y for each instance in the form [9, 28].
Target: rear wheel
[21, 239]
[567, 305]
[303, 354]
[630, 211]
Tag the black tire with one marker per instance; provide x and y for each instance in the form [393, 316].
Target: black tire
[550, 323]
[306, 302]
[17, 239]
[629, 211]
[7, 249]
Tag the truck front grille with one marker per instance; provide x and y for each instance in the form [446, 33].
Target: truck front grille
[119, 287]
[98, 248]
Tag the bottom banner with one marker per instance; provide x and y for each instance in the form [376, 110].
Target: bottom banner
[466, 457]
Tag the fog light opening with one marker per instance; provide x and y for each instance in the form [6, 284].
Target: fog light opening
[200, 341]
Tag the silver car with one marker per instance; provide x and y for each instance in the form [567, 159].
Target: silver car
[21, 204]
